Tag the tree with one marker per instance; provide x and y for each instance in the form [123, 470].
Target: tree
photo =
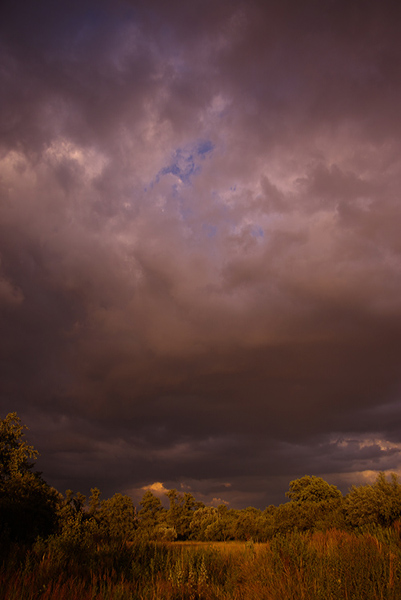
[152, 519]
[312, 489]
[248, 523]
[181, 511]
[15, 453]
[377, 504]
[94, 502]
[293, 516]
[315, 504]
[28, 506]
[201, 521]
[213, 524]
[118, 518]
[151, 509]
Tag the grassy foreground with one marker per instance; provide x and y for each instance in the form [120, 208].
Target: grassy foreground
[309, 566]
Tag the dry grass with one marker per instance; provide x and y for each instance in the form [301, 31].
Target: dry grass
[319, 566]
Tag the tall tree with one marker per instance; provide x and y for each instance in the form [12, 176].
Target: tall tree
[28, 506]
[312, 489]
[117, 517]
[315, 504]
[181, 511]
[16, 456]
[378, 504]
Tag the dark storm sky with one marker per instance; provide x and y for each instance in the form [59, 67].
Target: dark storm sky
[200, 249]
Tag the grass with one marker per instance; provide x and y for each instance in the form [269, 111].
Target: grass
[298, 566]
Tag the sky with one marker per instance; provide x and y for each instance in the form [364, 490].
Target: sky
[200, 250]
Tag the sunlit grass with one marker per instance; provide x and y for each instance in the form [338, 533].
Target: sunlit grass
[299, 566]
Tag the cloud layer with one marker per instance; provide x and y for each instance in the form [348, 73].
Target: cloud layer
[200, 274]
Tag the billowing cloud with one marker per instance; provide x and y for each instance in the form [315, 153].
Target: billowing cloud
[199, 251]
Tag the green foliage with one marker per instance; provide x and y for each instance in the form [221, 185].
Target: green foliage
[213, 524]
[314, 505]
[152, 523]
[28, 505]
[94, 502]
[379, 503]
[77, 532]
[202, 519]
[30, 508]
[247, 524]
[117, 518]
[151, 507]
[84, 533]
[179, 516]
[15, 453]
[312, 489]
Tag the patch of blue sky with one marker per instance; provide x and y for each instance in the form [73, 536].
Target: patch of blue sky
[184, 161]
[205, 147]
[183, 166]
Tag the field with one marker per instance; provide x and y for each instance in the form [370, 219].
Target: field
[309, 566]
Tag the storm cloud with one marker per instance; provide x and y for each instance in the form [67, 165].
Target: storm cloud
[200, 281]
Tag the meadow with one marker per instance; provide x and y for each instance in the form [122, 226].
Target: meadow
[327, 565]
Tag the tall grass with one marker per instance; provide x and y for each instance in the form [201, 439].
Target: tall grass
[297, 566]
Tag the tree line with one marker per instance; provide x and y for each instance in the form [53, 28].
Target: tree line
[30, 509]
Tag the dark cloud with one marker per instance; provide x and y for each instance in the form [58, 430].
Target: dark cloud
[199, 246]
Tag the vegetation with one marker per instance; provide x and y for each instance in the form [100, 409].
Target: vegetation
[313, 566]
[318, 545]
[28, 506]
